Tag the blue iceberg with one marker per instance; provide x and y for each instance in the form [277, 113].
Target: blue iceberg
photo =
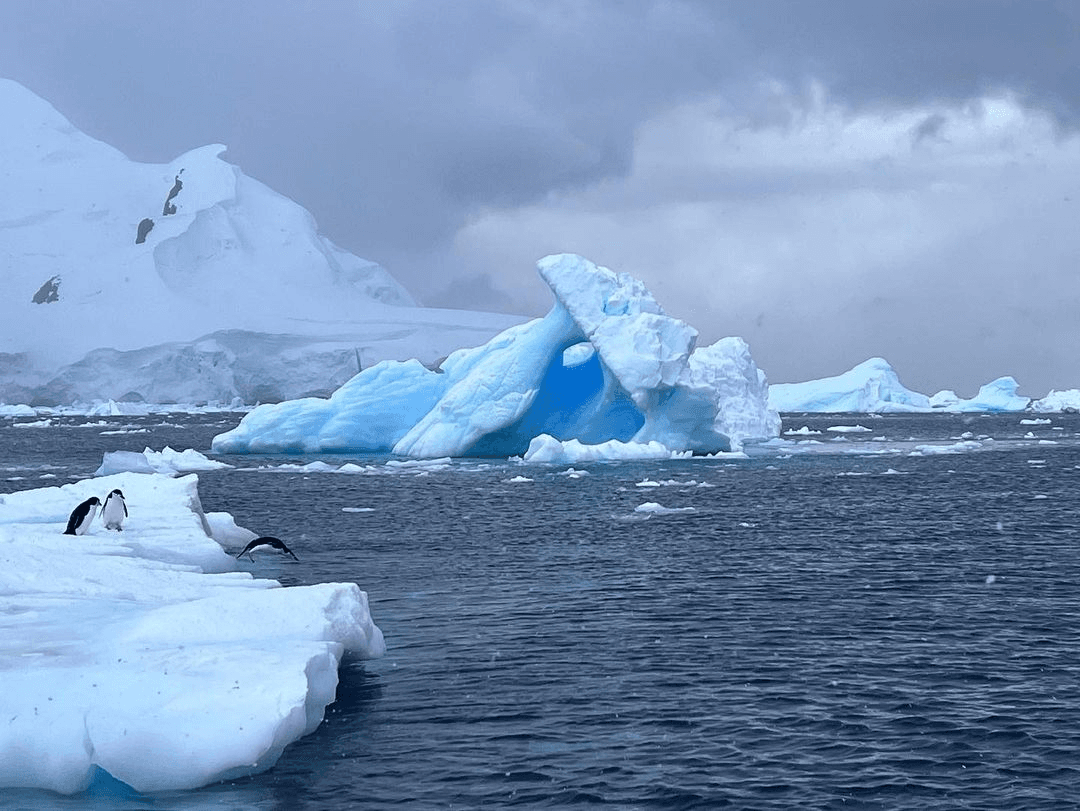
[606, 363]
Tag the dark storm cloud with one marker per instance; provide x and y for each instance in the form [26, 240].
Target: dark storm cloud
[394, 121]
[391, 121]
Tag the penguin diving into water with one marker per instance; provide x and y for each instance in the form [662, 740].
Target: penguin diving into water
[114, 511]
[81, 516]
[268, 541]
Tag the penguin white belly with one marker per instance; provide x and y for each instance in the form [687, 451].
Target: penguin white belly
[113, 513]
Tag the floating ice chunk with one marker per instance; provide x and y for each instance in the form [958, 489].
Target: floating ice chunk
[358, 509]
[653, 508]
[124, 462]
[224, 530]
[167, 462]
[956, 447]
[571, 473]
[545, 448]
[806, 430]
[519, 479]
[849, 429]
[1036, 421]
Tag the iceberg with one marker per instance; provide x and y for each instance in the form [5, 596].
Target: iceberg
[145, 654]
[1058, 401]
[872, 387]
[605, 364]
[996, 396]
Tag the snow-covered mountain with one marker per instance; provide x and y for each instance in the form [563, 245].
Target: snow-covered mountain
[101, 252]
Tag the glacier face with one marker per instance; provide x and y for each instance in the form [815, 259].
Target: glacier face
[103, 254]
[605, 364]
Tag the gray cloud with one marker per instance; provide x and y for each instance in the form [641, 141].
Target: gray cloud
[404, 125]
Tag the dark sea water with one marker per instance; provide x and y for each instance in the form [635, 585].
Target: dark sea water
[842, 625]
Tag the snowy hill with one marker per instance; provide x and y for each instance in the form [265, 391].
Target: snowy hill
[101, 252]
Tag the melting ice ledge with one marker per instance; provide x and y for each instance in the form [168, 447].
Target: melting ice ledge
[145, 654]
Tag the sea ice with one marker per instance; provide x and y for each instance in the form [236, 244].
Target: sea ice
[653, 508]
[146, 654]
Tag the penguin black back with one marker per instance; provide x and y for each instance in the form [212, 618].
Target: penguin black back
[266, 540]
[81, 516]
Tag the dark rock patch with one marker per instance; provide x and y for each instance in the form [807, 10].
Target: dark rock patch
[144, 228]
[48, 292]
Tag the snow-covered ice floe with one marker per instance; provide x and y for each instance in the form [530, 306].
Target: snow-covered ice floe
[605, 364]
[166, 461]
[145, 654]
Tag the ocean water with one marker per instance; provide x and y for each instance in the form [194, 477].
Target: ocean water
[860, 623]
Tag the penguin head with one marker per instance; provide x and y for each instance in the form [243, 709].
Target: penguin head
[94, 500]
[117, 492]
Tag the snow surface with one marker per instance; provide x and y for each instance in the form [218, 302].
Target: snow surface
[873, 387]
[144, 653]
[233, 294]
[643, 382]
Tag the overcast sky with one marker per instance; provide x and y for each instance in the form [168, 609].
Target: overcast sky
[831, 180]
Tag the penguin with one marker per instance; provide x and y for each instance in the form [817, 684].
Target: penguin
[81, 516]
[265, 540]
[114, 511]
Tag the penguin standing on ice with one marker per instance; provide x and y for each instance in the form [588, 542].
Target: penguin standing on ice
[81, 516]
[265, 540]
[115, 510]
